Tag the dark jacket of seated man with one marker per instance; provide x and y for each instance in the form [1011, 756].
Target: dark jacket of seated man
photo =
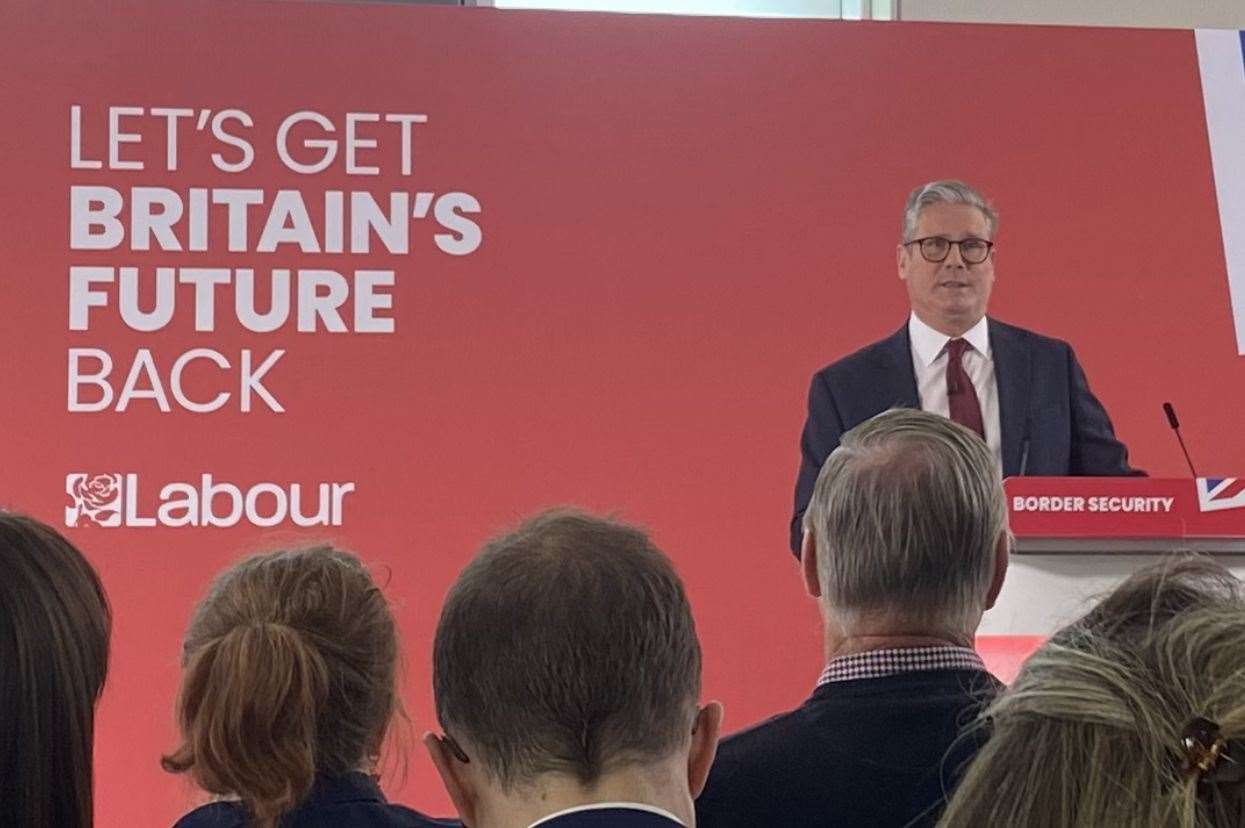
[905, 548]
[860, 752]
[350, 801]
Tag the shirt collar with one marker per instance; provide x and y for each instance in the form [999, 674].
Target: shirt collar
[599, 806]
[928, 344]
[893, 661]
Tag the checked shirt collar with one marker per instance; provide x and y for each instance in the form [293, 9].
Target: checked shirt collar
[890, 662]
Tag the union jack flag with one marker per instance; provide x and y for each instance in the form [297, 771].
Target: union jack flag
[1215, 493]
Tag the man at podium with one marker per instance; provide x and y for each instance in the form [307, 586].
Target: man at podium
[1024, 393]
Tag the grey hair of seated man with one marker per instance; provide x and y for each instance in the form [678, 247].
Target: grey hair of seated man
[908, 528]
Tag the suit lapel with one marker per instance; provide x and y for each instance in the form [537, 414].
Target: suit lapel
[1011, 372]
[896, 380]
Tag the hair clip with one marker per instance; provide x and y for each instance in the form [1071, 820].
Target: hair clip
[1203, 745]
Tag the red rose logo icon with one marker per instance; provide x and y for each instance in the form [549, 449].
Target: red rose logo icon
[97, 492]
[96, 500]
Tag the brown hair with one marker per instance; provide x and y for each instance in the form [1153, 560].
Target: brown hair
[54, 628]
[1091, 732]
[567, 646]
[290, 670]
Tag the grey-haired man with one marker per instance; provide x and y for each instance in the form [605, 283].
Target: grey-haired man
[904, 547]
[1023, 393]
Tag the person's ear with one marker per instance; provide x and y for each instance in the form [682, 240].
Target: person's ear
[705, 733]
[1002, 551]
[900, 252]
[808, 564]
[454, 776]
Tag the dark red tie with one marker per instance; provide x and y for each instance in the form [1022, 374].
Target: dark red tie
[962, 397]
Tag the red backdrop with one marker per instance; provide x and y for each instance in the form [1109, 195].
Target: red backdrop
[682, 219]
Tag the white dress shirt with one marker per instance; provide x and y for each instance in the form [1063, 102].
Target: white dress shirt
[929, 362]
[597, 806]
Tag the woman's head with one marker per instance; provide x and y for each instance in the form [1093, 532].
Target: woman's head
[54, 627]
[290, 670]
[1094, 729]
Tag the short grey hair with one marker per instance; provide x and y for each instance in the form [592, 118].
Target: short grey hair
[948, 191]
[906, 516]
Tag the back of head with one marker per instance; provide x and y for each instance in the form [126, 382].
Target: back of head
[1092, 732]
[567, 647]
[290, 670]
[906, 516]
[54, 628]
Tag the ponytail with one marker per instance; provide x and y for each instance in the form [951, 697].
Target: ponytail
[289, 672]
[249, 710]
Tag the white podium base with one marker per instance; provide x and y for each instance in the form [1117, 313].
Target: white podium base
[1043, 592]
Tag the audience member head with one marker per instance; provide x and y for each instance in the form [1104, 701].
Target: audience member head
[566, 672]
[1094, 730]
[906, 533]
[290, 670]
[54, 627]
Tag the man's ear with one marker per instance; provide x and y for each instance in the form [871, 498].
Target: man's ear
[1002, 551]
[705, 733]
[454, 777]
[808, 564]
[900, 252]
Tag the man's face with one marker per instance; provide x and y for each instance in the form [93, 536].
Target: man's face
[950, 295]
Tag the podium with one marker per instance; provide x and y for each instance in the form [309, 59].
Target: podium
[1089, 515]
[1077, 537]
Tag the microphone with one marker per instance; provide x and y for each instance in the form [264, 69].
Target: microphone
[1175, 424]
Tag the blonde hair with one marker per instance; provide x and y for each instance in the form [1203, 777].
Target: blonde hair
[1090, 734]
[290, 670]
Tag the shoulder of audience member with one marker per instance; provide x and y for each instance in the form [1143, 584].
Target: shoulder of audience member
[777, 737]
[418, 820]
[984, 685]
[754, 745]
[747, 767]
[231, 815]
[214, 815]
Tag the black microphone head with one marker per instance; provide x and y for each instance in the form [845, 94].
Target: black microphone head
[1171, 415]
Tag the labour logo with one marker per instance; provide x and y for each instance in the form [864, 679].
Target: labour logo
[96, 499]
[1215, 493]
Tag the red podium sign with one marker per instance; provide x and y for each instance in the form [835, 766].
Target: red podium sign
[1133, 514]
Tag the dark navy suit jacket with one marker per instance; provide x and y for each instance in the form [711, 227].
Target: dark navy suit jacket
[350, 801]
[611, 818]
[875, 753]
[1052, 423]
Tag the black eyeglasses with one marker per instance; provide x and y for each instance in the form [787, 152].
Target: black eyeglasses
[937, 248]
